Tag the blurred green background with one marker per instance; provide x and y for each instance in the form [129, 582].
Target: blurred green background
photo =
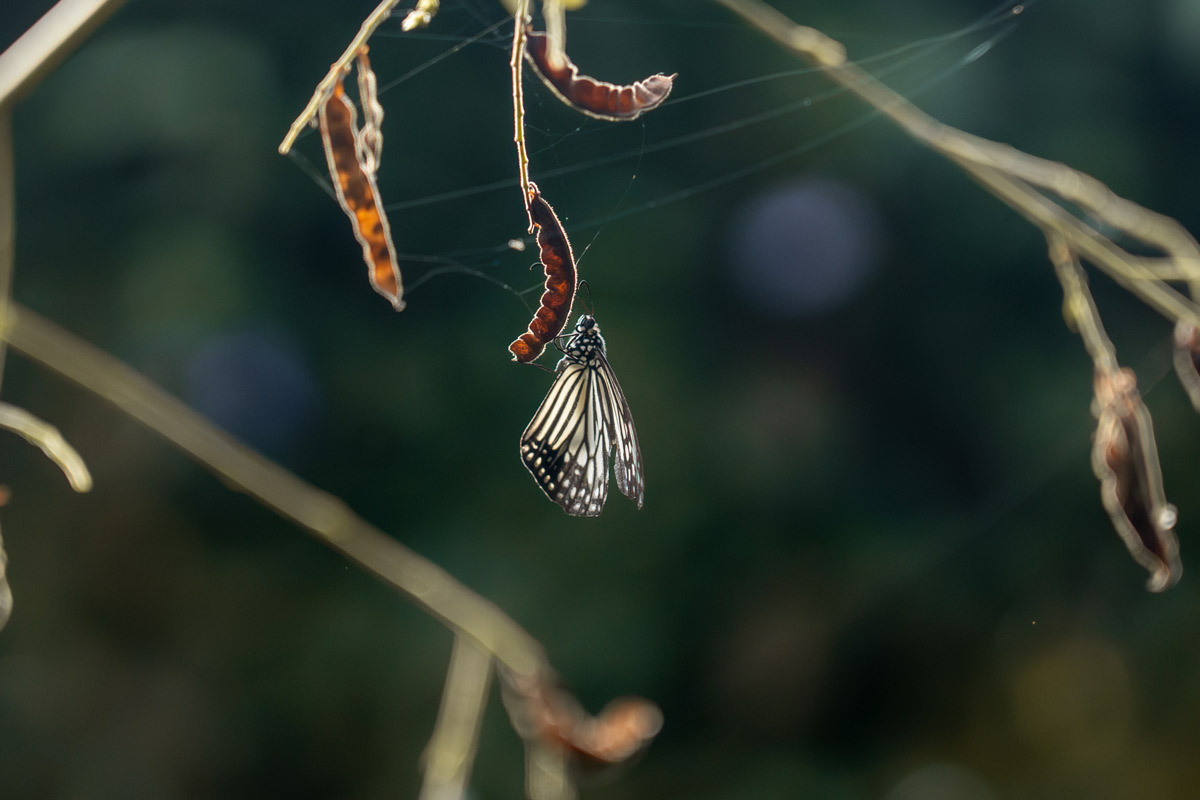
[872, 562]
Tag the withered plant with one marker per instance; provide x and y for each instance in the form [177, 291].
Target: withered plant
[1074, 211]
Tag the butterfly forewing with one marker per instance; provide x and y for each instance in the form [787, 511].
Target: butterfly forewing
[562, 445]
[583, 418]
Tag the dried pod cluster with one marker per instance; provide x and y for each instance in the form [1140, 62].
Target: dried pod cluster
[585, 94]
[1125, 459]
[558, 262]
[584, 422]
[545, 715]
[353, 156]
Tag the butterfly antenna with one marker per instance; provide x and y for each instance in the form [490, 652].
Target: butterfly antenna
[591, 306]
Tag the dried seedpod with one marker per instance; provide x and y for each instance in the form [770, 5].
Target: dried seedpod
[589, 96]
[352, 157]
[1187, 360]
[554, 251]
[369, 140]
[1125, 459]
[550, 717]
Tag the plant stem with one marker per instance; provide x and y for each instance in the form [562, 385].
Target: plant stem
[8, 220]
[1015, 177]
[51, 39]
[339, 69]
[324, 516]
[451, 750]
[517, 63]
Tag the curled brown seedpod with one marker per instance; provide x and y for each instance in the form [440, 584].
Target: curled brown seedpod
[589, 96]
[554, 251]
[352, 157]
[1125, 459]
[1187, 360]
[553, 718]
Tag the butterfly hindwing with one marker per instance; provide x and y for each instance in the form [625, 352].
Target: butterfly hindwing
[627, 455]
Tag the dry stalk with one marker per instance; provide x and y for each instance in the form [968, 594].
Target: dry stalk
[516, 63]
[47, 42]
[321, 514]
[6, 597]
[337, 71]
[29, 59]
[8, 219]
[47, 439]
[421, 15]
[451, 750]
[1124, 457]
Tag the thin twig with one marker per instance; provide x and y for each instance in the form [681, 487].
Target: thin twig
[809, 42]
[339, 70]
[1013, 175]
[451, 750]
[50, 40]
[323, 515]
[517, 63]
[22, 66]
[547, 772]
[1079, 307]
[47, 438]
[6, 596]
[555, 15]
[421, 15]
[8, 220]
[1126, 270]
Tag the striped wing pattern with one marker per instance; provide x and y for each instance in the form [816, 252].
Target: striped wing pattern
[583, 419]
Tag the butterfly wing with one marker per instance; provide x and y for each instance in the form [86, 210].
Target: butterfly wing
[621, 435]
[565, 446]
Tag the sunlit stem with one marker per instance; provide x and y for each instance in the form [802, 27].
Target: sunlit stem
[324, 516]
[50, 40]
[809, 42]
[1126, 270]
[451, 750]
[520, 19]
[547, 773]
[420, 16]
[6, 597]
[22, 66]
[1079, 307]
[1013, 175]
[555, 13]
[8, 219]
[48, 439]
[339, 70]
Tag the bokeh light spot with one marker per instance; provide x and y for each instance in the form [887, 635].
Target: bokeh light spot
[1075, 703]
[941, 782]
[805, 248]
[253, 385]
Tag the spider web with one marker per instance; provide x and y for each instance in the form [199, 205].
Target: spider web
[449, 154]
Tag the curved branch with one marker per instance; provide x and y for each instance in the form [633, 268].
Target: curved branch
[321, 514]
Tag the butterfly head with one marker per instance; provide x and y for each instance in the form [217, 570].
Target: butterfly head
[587, 342]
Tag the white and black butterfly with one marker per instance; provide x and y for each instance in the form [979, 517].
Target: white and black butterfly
[583, 418]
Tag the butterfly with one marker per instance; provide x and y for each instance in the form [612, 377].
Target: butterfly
[584, 417]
